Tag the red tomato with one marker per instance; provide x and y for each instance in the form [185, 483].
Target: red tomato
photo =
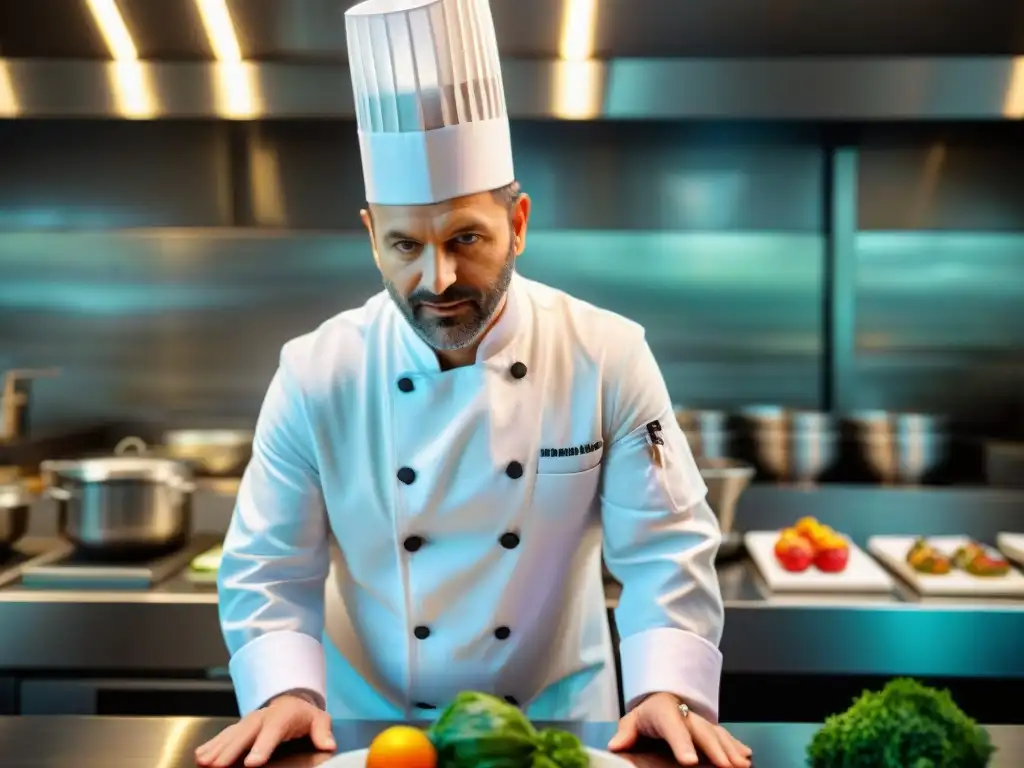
[832, 559]
[794, 557]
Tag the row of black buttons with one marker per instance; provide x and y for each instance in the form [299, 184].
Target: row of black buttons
[422, 632]
[518, 371]
[414, 543]
[423, 705]
[407, 475]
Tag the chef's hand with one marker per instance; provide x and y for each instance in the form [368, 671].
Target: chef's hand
[658, 717]
[259, 733]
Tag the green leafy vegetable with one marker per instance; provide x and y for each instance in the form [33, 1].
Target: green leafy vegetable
[481, 731]
[905, 725]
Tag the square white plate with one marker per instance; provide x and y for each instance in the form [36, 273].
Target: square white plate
[1012, 545]
[892, 550]
[862, 574]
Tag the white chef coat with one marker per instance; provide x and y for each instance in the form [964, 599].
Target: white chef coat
[402, 533]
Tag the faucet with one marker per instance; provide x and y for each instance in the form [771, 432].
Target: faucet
[15, 398]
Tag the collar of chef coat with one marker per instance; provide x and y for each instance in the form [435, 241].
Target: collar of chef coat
[498, 346]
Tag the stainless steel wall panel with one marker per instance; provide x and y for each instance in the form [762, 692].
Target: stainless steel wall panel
[940, 324]
[110, 175]
[185, 326]
[629, 176]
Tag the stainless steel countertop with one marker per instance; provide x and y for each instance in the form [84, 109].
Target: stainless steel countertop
[174, 628]
[85, 742]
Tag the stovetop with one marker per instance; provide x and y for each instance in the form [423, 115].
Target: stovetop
[72, 570]
[28, 553]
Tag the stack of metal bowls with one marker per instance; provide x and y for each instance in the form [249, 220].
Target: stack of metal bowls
[900, 448]
[706, 431]
[789, 445]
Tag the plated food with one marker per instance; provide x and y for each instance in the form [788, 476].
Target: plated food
[477, 731]
[970, 557]
[810, 543]
[948, 566]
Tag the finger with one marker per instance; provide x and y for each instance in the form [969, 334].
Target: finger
[215, 742]
[320, 733]
[733, 749]
[705, 736]
[742, 748]
[242, 737]
[626, 735]
[673, 728]
[268, 739]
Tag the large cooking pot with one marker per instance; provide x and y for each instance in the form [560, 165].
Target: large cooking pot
[122, 505]
[14, 505]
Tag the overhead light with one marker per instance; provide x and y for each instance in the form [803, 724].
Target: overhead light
[112, 27]
[9, 106]
[579, 79]
[579, 23]
[220, 30]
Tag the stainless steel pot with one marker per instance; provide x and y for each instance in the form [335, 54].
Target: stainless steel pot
[14, 506]
[790, 445]
[217, 452]
[122, 504]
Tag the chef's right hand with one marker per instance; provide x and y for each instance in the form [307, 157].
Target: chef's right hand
[259, 733]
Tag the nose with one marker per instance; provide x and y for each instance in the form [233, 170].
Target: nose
[438, 269]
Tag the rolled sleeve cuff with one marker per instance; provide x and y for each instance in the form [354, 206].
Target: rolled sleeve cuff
[276, 663]
[668, 660]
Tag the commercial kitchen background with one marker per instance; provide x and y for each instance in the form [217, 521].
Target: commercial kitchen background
[800, 210]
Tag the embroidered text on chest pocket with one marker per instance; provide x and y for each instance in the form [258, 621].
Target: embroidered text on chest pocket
[571, 460]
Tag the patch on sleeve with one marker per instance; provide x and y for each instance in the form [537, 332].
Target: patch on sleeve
[656, 442]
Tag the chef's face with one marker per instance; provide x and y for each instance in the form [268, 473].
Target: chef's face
[448, 265]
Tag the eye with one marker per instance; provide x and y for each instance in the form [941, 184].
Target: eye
[467, 239]
[406, 246]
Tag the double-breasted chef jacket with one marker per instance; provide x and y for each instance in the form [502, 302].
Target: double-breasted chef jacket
[402, 533]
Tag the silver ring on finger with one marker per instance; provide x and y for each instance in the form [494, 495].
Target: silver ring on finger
[684, 710]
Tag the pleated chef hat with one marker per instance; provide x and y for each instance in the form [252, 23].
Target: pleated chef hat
[430, 106]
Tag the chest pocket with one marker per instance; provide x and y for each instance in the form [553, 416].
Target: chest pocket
[568, 485]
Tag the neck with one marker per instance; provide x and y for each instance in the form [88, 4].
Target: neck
[458, 358]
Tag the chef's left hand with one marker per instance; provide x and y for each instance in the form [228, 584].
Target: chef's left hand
[658, 717]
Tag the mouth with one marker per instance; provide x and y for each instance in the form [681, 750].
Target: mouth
[447, 309]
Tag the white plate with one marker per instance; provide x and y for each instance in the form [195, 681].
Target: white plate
[1012, 545]
[357, 759]
[892, 550]
[862, 574]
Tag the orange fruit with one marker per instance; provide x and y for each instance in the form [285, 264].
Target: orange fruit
[401, 746]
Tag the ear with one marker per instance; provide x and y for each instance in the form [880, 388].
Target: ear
[520, 220]
[364, 214]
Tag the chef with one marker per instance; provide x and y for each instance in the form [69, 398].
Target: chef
[436, 474]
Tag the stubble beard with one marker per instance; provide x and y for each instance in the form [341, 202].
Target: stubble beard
[447, 334]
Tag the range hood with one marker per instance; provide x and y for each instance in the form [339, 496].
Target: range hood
[847, 60]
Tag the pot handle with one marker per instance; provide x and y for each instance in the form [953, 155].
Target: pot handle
[131, 445]
[58, 494]
[183, 486]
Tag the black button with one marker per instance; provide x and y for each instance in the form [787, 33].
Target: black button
[413, 543]
[405, 384]
[518, 370]
[421, 632]
[502, 633]
[509, 540]
[407, 475]
[512, 700]
[514, 470]
[423, 705]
